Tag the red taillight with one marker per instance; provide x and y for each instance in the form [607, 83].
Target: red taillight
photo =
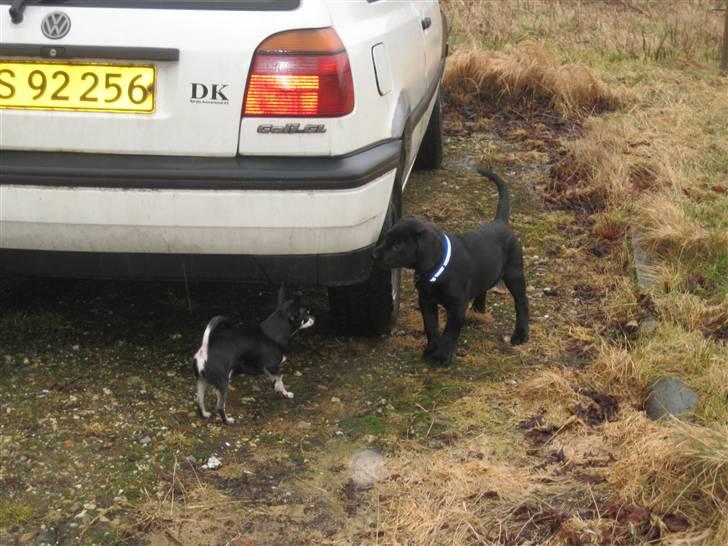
[301, 73]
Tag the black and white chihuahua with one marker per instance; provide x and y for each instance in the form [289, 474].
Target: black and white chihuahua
[228, 351]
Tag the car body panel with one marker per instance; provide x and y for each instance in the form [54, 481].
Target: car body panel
[257, 222]
[195, 178]
[216, 49]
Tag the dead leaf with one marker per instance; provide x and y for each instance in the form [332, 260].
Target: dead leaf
[639, 516]
[589, 478]
[675, 523]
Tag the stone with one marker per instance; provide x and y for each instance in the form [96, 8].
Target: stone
[670, 396]
[642, 259]
[212, 463]
[648, 326]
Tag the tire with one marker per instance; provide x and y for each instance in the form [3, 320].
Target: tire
[369, 308]
[429, 156]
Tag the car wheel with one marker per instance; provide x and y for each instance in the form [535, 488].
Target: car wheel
[368, 308]
[429, 156]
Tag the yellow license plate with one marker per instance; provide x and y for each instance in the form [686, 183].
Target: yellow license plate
[86, 87]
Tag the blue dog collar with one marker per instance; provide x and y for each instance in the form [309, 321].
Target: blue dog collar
[445, 260]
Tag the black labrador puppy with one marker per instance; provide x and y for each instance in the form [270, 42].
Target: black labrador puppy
[453, 270]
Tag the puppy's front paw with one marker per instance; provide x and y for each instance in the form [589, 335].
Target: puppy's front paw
[431, 348]
[439, 359]
[229, 421]
[520, 335]
[205, 414]
[288, 394]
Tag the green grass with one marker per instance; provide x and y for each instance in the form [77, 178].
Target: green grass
[13, 513]
[373, 424]
[363, 425]
[717, 273]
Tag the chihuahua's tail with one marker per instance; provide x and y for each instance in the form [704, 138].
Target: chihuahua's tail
[503, 210]
[200, 358]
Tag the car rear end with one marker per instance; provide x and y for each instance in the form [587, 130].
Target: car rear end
[190, 139]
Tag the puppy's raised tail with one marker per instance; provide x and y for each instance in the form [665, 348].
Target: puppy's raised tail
[200, 358]
[503, 210]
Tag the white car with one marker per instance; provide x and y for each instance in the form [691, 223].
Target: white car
[260, 140]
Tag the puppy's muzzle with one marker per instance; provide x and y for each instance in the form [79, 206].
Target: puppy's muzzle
[379, 255]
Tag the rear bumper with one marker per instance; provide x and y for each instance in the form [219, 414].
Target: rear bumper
[74, 170]
[324, 269]
[307, 220]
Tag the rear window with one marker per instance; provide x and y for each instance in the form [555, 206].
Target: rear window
[241, 5]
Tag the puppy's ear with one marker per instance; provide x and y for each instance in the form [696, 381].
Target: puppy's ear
[429, 248]
[281, 294]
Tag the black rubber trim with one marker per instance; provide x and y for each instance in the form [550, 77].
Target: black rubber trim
[46, 51]
[324, 270]
[421, 107]
[445, 35]
[279, 5]
[198, 173]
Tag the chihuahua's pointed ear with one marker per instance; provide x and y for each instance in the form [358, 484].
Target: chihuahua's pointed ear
[281, 294]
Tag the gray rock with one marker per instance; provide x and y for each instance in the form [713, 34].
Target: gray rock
[212, 463]
[670, 396]
[647, 326]
[642, 260]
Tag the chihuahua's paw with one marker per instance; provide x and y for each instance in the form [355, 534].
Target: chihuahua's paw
[229, 421]
[288, 394]
[205, 414]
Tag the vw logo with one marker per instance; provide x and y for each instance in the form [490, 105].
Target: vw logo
[55, 25]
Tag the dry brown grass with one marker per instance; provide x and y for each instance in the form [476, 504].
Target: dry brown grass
[669, 351]
[524, 76]
[677, 468]
[690, 311]
[616, 159]
[616, 29]
[616, 367]
[656, 161]
[668, 231]
[451, 495]
[552, 391]
[200, 516]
